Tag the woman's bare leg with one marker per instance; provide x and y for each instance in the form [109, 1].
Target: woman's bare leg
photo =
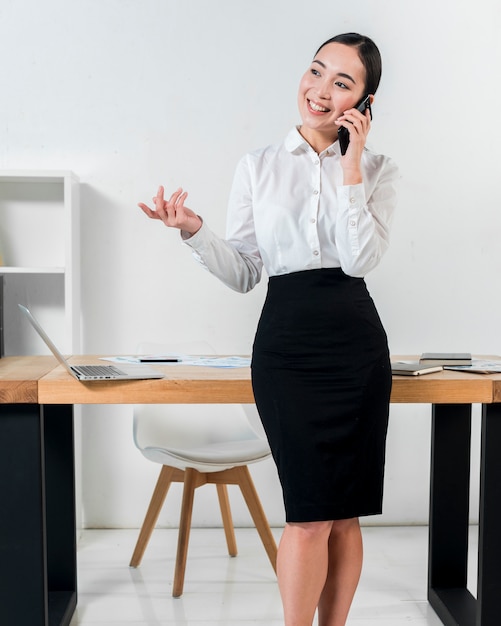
[319, 564]
[345, 566]
[302, 566]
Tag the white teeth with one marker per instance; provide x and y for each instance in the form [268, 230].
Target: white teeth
[317, 107]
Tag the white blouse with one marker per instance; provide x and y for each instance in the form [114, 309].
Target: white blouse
[289, 211]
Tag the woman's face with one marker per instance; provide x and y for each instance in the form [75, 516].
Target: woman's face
[334, 83]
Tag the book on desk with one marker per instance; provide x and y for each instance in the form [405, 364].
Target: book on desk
[445, 358]
[413, 368]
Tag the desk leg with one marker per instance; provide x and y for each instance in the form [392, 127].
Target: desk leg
[38, 564]
[489, 532]
[60, 512]
[449, 515]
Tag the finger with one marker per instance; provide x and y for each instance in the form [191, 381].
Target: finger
[169, 209]
[356, 120]
[174, 199]
[344, 123]
[159, 199]
[180, 200]
[149, 212]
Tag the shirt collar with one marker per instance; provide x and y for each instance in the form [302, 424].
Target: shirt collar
[294, 142]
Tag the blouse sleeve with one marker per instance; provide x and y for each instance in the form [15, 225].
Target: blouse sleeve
[235, 260]
[364, 221]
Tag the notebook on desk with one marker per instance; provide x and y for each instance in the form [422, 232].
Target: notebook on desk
[92, 372]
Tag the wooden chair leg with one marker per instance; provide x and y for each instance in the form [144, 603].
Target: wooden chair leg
[164, 481]
[251, 497]
[190, 484]
[193, 479]
[229, 530]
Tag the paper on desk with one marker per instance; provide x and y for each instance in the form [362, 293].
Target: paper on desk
[478, 366]
[184, 359]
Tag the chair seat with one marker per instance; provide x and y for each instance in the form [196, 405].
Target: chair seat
[227, 453]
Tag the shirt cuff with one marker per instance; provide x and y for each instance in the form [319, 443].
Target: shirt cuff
[198, 237]
[352, 196]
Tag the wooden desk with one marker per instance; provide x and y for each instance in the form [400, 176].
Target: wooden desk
[193, 384]
[36, 455]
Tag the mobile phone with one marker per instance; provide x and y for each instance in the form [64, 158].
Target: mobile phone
[343, 133]
[158, 359]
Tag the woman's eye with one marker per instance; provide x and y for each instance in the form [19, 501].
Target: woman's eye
[315, 72]
[338, 83]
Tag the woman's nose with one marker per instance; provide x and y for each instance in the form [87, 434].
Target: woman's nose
[323, 90]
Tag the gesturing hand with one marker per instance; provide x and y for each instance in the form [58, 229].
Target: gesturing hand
[172, 212]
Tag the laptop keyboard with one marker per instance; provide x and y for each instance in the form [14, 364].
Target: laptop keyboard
[98, 370]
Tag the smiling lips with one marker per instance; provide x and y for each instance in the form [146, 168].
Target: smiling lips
[317, 108]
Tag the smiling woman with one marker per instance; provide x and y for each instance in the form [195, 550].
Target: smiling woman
[343, 71]
[317, 220]
[333, 84]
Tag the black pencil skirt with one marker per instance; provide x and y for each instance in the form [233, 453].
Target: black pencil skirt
[321, 377]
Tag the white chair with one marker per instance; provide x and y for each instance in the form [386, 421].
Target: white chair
[196, 445]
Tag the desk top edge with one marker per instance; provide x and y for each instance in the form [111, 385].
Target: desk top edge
[205, 384]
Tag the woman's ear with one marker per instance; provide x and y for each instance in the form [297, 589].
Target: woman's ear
[371, 96]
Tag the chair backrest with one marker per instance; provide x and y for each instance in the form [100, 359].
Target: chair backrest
[179, 425]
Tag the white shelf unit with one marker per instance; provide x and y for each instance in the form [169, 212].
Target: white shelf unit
[40, 258]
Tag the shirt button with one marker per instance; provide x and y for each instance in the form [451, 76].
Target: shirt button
[313, 220]
[316, 162]
[316, 252]
[352, 200]
[315, 192]
[353, 223]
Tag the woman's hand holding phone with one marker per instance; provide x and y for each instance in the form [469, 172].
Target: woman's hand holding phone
[344, 131]
[353, 128]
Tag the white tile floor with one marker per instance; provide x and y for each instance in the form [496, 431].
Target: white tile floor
[241, 591]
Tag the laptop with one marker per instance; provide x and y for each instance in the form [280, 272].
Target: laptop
[92, 372]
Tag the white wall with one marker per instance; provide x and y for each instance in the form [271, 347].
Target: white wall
[130, 94]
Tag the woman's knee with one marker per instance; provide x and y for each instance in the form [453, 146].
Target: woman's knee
[342, 526]
[310, 530]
